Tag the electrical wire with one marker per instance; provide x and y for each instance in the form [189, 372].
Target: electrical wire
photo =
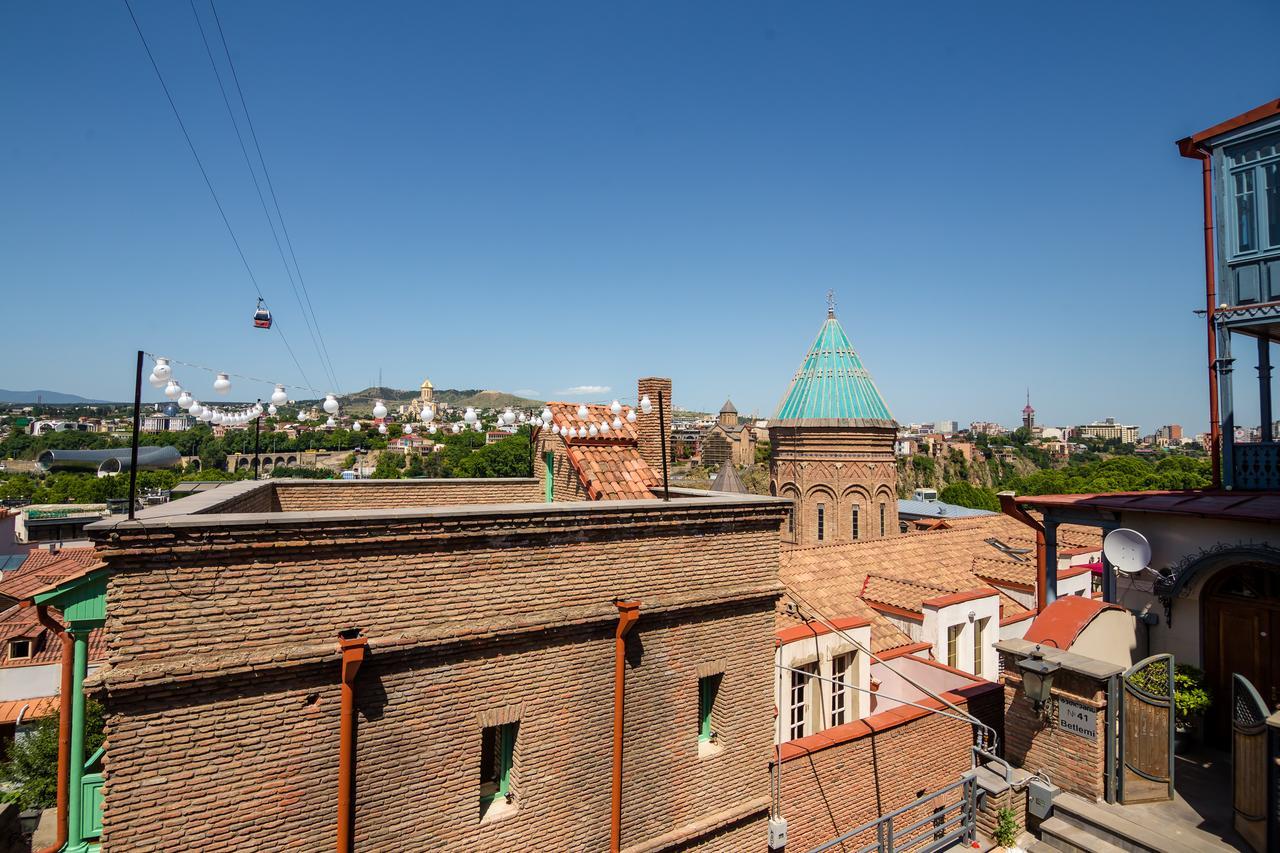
[229, 374]
[324, 365]
[253, 133]
[207, 182]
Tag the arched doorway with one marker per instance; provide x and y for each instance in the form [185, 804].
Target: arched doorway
[1241, 623]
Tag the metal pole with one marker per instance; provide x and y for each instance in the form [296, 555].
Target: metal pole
[662, 431]
[257, 426]
[133, 448]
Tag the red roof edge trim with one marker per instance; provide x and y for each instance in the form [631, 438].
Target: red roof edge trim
[813, 629]
[959, 597]
[1188, 144]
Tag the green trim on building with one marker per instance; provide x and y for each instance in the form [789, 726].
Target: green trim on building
[832, 387]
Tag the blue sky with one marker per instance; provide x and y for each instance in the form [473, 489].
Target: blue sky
[550, 196]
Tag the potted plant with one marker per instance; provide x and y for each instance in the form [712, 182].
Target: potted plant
[1006, 834]
[1190, 700]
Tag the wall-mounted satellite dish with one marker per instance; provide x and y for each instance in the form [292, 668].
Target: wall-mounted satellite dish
[1127, 550]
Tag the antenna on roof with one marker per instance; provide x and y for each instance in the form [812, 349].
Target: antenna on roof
[1127, 550]
[831, 303]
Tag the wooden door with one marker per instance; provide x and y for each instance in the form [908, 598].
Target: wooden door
[1146, 731]
[1242, 623]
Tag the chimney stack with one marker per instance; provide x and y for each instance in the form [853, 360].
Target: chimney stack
[650, 437]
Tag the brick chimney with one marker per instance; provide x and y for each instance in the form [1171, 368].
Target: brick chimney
[647, 425]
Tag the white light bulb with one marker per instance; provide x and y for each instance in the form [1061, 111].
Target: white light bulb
[615, 407]
[356, 425]
[470, 415]
[582, 412]
[330, 404]
[195, 409]
[617, 423]
[408, 429]
[217, 418]
[572, 432]
[279, 396]
[457, 428]
[646, 405]
[379, 410]
[432, 429]
[593, 431]
[222, 384]
[162, 370]
[509, 417]
[631, 416]
[604, 428]
[172, 389]
[185, 400]
[272, 410]
[478, 427]
[555, 429]
[156, 381]
[382, 428]
[331, 423]
[546, 416]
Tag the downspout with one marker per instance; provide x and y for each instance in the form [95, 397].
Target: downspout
[1190, 149]
[1009, 506]
[64, 724]
[353, 648]
[628, 613]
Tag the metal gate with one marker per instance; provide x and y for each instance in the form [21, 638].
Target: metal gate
[1146, 731]
[1249, 762]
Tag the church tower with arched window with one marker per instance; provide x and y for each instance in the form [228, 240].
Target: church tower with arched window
[832, 447]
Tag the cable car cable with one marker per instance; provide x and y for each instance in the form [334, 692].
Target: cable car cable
[253, 134]
[200, 165]
[324, 365]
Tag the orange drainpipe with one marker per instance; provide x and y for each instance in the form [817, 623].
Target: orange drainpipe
[1009, 506]
[64, 723]
[353, 648]
[1188, 148]
[628, 613]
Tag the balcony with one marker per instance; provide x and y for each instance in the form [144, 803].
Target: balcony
[1256, 467]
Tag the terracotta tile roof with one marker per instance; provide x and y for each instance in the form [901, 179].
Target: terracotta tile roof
[831, 576]
[42, 557]
[42, 706]
[884, 634]
[609, 465]
[22, 623]
[1005, 571]
[1063, 620]
[36, 575]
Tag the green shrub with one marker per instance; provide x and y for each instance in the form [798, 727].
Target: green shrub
[1006, 834]
[30, 774]
[1190, 697]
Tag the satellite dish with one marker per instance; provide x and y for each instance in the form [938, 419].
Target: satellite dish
[1127, 550]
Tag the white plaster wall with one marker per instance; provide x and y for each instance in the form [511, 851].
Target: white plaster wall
[1111, 636]
[938, 620]
[823, 649]
[1081, 584]
[31, 682]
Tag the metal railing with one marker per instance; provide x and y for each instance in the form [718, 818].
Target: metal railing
[945, 825]
[1256, 465]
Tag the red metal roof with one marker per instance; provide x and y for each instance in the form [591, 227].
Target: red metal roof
[1267, 110]
[1061, 622]
[1238, 506]
[36, 708]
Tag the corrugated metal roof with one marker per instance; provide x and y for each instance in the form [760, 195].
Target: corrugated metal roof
[937, 509]
[833, 386]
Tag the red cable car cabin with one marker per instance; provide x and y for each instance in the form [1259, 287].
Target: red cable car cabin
[261, 317]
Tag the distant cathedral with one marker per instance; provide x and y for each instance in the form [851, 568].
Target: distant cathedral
[832, 447]
[426, 394]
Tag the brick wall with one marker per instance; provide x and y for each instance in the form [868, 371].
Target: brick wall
[648, 426]
[566, 485]
[1034, 741]
[223, 698]
[261, 499]
[887, 761]
[317, 495]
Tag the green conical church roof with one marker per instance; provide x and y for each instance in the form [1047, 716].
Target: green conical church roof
[832, 388]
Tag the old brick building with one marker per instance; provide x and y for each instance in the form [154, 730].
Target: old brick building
[727, 440]
[488, 620]
[832, 447]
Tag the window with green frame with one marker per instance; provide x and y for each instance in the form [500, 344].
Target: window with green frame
[708, 687]
[549, 485]
[497, 754]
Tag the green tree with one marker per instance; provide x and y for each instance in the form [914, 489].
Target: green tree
[30, 773]
[389, 467]
[967, 494]
[763, 449]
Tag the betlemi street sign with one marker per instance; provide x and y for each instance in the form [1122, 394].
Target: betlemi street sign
[1077, 719]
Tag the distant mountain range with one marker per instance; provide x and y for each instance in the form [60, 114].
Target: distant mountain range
[362, 400]
[40, 395]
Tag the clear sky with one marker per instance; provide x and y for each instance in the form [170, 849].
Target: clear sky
[544, 196]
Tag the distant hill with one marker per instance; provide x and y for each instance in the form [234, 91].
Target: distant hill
[363, 400]
[43, 396]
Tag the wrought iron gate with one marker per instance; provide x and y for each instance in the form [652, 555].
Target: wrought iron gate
[1249, 762]
[1145, 768]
